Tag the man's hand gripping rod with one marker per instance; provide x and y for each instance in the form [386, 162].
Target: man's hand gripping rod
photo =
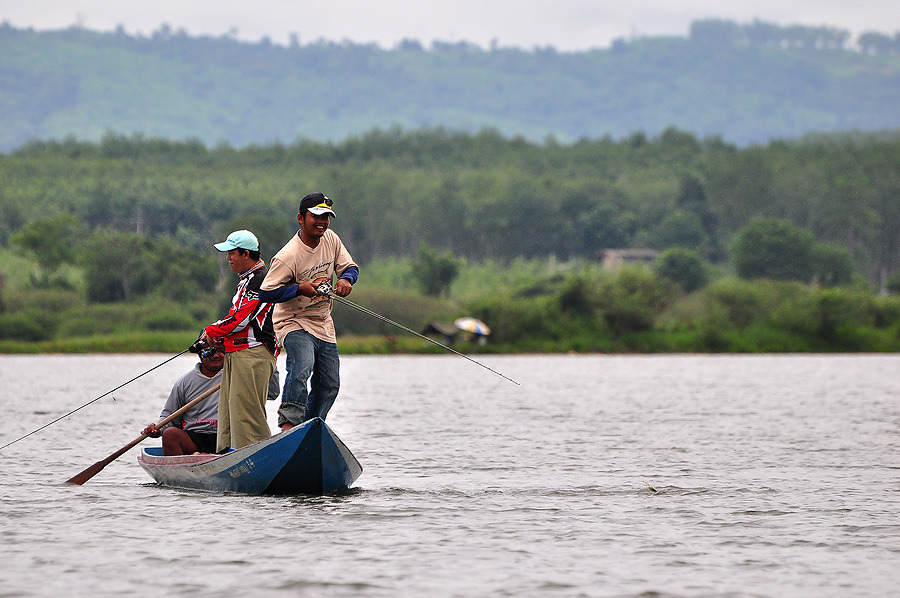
[326, 290]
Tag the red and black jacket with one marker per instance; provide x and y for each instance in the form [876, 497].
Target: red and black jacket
[249, 321]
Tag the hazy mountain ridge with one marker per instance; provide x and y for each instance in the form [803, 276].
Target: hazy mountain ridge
[744, 83]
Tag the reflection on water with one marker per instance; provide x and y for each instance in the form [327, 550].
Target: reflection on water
[776, 476]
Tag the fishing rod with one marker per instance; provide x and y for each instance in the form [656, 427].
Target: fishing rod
[325, 289]
[95, 400]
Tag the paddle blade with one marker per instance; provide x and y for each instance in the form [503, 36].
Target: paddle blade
[81, 478]
[94, 469]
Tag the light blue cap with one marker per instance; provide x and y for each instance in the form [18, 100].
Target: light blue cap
[239, 239]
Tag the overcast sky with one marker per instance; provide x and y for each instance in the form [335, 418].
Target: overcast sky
[564, 24]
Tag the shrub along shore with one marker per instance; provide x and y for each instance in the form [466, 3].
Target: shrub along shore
[633, 310]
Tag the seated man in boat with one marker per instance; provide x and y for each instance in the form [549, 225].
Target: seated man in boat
[195, 430]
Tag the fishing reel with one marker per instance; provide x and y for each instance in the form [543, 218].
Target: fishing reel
[325, 289]
[202, 348]
[209, 352]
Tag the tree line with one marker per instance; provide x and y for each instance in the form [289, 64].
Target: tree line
[480, 197]
[718, 32]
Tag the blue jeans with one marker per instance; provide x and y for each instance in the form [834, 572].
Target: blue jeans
[308, 357]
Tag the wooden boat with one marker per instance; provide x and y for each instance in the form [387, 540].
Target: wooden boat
[307, 459]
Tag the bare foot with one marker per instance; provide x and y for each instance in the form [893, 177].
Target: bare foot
[286, 427]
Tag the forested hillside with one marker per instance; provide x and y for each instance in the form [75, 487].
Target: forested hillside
[744, 83]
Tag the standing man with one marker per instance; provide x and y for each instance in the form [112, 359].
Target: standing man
[302, 316]
[248, 340]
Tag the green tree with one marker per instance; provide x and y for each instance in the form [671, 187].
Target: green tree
[179, 273]
[773, 248]
[121, 266]
[692, 198]
[116, 265]
[435, 271]
[679, 229]
[578, 297]
[683, 266]
[893, 283]
[632, 300]
[832, 264]
[50, 241]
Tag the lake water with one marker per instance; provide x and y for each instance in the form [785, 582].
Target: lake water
[774, 476]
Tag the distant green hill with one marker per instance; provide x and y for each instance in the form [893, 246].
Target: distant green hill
[745, 84]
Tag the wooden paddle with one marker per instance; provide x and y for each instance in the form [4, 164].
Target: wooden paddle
[94, 469]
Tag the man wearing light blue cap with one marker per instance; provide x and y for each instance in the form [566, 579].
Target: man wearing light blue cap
[247, 338]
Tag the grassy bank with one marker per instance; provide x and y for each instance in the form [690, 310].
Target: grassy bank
[132, 342]
[175, 342]
[754, 339]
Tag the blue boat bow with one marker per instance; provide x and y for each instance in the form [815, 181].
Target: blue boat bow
[307, 459]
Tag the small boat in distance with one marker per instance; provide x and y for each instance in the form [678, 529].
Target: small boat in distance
[307, 459]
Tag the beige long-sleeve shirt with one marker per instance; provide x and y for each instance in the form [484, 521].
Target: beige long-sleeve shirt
[297, 263]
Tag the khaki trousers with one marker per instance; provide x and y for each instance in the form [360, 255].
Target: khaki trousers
[242, 398]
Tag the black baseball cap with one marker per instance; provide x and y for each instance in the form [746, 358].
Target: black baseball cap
[317, 203]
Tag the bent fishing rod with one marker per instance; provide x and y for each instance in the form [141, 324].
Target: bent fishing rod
[326, 289]
[95, 400]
